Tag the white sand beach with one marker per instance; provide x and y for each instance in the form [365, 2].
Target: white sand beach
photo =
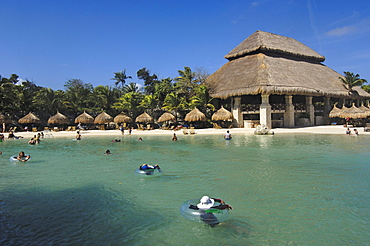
[338, 129]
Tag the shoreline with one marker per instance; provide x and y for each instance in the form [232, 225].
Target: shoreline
[337, 129]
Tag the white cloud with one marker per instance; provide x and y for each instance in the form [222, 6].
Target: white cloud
[340, 31]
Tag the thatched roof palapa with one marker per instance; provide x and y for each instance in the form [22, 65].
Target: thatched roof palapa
[29, 119]
[335, 112]
[195, 115]
[222, 114]
[58, 118]
[366, 110]
[4, 119]
[122, 118]
[84, 118]
[144, 118]
[353, 112]
[103, 118]
[266, 63]
[167, 117]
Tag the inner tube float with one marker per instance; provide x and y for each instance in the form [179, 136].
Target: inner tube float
[148, 172]
[210, 216]
[25, 158]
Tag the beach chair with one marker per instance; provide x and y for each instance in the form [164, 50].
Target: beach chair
[46, 129]
[367, 127]
[185, 131]
[55, 129]
[192, 130]
[73, 128]
[34, 129]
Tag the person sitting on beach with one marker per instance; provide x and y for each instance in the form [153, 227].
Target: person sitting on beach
[174, 138]
[23, 157]
[356, 132]
[78, 136]
[108, 152]
[148, 166]
[348, 131]
[227, 135]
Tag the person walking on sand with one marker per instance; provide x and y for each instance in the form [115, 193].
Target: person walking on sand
[122, 129]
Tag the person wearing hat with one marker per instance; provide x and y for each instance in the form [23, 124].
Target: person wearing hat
[206, 203]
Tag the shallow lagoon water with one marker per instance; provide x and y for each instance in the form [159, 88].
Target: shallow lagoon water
[285, 190]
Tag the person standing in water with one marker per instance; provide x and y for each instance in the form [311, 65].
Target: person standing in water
[227, 135]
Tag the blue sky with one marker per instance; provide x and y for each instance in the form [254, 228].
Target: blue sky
[49, 41]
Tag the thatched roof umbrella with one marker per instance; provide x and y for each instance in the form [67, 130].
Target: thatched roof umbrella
[195, 115]
[4, 119]
[167, 117]
[144, 118]
[365, 109]
[84, 118]
[335, 112]
[58, 118]
[266, 63]
[29, 119]
[122, 118]
[222, 114]
[103, 118]
[353, 112]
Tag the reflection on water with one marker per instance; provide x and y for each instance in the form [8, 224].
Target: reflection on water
[285, 190]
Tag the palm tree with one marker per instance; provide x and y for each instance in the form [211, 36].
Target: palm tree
[174, 102]
[185, 82]
[149, 103]
[132, 87]
[120, 77]
[351, 80]
[202, 98]
[48, 101]
[105, 96]
[129, 102]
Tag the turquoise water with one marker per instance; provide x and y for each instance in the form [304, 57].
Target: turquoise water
[285, 190]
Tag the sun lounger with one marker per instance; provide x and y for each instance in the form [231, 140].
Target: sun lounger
[185, 131]
[367, 127]
[192, 131]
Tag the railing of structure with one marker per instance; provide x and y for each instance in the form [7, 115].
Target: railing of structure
[300, 107]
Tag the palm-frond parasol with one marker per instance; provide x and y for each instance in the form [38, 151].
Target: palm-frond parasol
[58, 118]
[103, 118]
[353, 112]
[4, 119]
[195, 115]
[365, 109]
[335, 112]
[29, 119]
[167, 117]
[84, 118]
[222, 114]
[144, 118]
[122, 118]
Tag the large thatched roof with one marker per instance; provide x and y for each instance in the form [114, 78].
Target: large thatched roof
[4, 119]
[265, 41]
[103, 118]
[122, 118]
[84, 118]
[222, 114]
[166, 117]
[267, 63]
[195, 115]
[58, 118]
[29, 119]
[366, 110]
[144, 118]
